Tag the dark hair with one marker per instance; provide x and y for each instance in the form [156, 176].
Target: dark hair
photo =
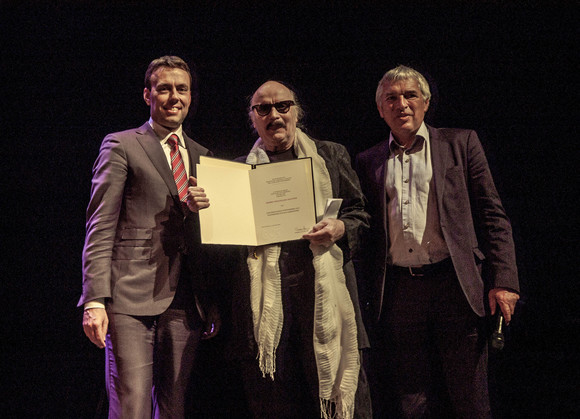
[170, 61]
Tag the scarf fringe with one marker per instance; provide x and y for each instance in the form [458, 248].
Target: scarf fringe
[336, 408]
[267, 362]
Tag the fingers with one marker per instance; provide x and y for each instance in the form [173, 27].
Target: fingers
[506, 310]
[196, 197]
[197, 202]
[506, 300]
[492, 303]
[95, 325]
[326, 232]
[507, 313]
[318, 231]
[102, 332]
[321, 237]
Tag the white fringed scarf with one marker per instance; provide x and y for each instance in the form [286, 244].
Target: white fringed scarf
[335, 332]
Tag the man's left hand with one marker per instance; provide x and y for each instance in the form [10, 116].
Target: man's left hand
[326, 232]
[505, 299]
[196, 198]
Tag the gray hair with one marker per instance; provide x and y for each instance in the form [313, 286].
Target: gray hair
[403, 73]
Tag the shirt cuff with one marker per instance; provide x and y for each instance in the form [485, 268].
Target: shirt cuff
[98, 303]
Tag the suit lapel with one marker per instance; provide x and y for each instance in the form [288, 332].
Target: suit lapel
[439, 155]
[193, 154]
[380, 173]
[150, 143]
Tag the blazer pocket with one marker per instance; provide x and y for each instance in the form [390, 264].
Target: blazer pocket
[133, 244]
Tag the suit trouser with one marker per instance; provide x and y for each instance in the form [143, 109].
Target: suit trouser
[429, 357]
[149, 360]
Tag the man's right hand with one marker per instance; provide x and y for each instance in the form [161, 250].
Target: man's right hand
[95, 324]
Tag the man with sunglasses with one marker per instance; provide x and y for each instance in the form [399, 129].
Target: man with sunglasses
[297, 322]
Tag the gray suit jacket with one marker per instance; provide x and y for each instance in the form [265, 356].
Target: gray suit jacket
[137, 230]
[474, 223]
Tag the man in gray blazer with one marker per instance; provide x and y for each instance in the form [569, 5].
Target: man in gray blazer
[439, 256]
[146, 287]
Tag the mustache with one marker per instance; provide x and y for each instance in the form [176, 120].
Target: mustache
[276, 125]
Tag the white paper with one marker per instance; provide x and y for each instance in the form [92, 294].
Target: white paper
[332, 207]
[256, 204]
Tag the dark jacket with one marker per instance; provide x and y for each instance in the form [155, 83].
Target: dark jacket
[345, 185]
[473, 221]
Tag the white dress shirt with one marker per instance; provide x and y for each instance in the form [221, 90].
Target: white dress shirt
[414, 229]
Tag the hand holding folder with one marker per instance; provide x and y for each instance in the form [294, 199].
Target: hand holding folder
[256, 204]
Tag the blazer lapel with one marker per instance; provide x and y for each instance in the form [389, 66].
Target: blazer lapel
[380, 172]
[439, 155]
[380, 175]
[193, 154]
[150, 143]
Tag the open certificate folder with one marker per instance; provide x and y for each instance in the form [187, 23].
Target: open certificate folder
[256, 204]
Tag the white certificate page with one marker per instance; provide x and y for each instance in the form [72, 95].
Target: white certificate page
[256, 204]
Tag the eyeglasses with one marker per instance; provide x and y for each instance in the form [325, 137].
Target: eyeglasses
[281, 107]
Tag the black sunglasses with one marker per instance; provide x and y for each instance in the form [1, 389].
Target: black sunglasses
[266, 108]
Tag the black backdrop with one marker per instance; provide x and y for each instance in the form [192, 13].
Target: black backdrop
[72, 71]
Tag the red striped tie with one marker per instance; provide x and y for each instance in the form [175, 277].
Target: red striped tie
[179, 173]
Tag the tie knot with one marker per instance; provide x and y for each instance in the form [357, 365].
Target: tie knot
[173, 140]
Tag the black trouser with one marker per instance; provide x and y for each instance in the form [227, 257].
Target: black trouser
[294, 391]
[429, 352]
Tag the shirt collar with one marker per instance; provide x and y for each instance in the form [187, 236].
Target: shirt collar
[163, 133]
[422, 137]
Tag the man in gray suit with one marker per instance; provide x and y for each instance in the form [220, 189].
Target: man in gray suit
[146, 287]
[439, 256]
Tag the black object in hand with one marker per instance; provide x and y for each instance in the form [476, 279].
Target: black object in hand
[497, 338]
